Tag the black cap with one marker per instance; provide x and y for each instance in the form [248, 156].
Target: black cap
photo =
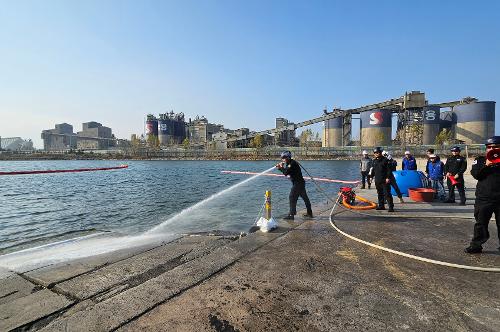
[378, 149]
[455, 149]
[493, 140]
[430, 150]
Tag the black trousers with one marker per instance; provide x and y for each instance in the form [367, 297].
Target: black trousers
[483, 211]
[299, 189]
[460, 188]
[384, 193]
[394, 184]
[365, 178]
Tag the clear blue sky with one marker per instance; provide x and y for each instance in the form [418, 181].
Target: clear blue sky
[240, 63]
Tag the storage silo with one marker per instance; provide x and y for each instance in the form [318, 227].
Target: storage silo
[332, 133]
[376, 127]
[163, 131]
[432, 122]
[448, 122]
[151, 126]
[475, 121]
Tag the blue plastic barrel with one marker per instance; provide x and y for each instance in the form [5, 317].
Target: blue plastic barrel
[408, 179]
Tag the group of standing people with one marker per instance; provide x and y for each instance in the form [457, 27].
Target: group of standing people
[453, 170]
[384, 165]
[435, 170]
[487, 173]
[379, 171]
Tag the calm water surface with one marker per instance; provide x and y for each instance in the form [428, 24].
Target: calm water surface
[40, 209]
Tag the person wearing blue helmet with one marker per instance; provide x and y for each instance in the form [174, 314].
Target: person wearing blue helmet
[486, 170]
[291, 168]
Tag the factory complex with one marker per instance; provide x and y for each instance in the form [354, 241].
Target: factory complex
[94, 136]
[172, 129]
[466, 121]
[414, 120]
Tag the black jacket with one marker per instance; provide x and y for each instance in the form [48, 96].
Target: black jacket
[381, 169]
[488, 180]
[293, 171]
[393, 164]
[456, 165]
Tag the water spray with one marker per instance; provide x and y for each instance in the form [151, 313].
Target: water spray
[203, 202]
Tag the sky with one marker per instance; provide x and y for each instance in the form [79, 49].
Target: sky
[239, 63]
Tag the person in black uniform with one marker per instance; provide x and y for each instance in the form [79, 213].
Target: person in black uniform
[487, 202]
[382, 174]
[455, 166]
[291, 168]
[393, 165]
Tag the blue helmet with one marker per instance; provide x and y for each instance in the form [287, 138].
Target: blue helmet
[455, 149]
[286, 155]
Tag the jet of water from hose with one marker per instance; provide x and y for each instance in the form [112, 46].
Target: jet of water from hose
[203, 202]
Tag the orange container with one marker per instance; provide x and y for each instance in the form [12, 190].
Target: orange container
[421, 194]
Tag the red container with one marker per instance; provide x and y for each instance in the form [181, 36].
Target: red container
[421, 194]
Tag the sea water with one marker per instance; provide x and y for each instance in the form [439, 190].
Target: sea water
[69, 215]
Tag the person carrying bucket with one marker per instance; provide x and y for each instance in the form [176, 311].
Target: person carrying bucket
[364, 166]
[291, 168]
[486, 170]
[436, 175]
[454, 168]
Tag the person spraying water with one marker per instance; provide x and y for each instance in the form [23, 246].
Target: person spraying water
[290, 167]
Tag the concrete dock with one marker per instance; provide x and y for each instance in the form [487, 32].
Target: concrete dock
[305, 276]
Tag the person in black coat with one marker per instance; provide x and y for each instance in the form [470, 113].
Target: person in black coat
[382, 176]
[291, 168]
[487, 201]
[393, 165]
[455, 167]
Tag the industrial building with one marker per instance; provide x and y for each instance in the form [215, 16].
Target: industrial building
[60, 138]
[220, 138]
[200, 131]
[418, 122]
[285, 136]
[171, 129]
[94, 136]
[15, 144]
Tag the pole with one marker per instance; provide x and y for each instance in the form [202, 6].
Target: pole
[268, 205]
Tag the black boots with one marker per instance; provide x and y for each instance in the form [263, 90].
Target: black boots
[473, 250]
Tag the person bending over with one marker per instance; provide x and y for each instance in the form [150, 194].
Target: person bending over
[291, 168]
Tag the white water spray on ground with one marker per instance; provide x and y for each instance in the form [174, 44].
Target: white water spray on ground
[101, 243]
[196, 206]
[85, 246]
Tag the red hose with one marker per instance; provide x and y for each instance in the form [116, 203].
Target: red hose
[49, 171]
